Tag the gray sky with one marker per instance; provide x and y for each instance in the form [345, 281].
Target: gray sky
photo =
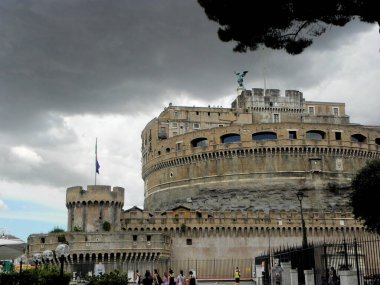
[71, 71]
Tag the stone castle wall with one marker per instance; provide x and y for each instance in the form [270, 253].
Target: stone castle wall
[259, 174]
[89, 209]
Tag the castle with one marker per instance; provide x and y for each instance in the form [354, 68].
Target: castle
[221, 183]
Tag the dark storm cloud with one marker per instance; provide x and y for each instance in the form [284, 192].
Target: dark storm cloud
[109, 56]
[97, 56]
[61, 58]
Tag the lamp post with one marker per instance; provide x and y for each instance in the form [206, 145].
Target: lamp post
[47, 257]
[304, 238]
[37, 258]
[22, 261]
[62, 251]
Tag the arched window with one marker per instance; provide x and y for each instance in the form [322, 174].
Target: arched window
[263, 136]
[358, 138]
[315, 135]
[230, 138]
[199, 142]
[377, 141]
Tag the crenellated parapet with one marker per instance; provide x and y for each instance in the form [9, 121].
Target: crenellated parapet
[96, 209]
[184, 218]
[95, 193]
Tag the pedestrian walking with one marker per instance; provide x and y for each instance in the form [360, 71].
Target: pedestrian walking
[180, 278]
[237, 275]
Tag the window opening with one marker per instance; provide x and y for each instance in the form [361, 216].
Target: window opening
[358, 138]
[292, 135]
[264, 136]
[230, 138]
[315, 135]
[199, 142]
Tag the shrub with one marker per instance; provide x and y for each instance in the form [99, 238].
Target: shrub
[57, 230]
[106, 226]
[114, 278]
[35, 277]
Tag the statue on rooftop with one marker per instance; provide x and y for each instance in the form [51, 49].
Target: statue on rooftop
[240, 78]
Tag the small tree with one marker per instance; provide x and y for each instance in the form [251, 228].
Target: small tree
[57, 230]
[106, 226]
[366, 195]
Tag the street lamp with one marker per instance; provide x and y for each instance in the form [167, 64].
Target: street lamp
[22, 261]
[47, 256]
[62, 251]
[37, 258]
[304, 238]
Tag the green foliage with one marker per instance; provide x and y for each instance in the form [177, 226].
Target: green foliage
[366, 195]
[106, 226]
[35, 277]
[288, 25]
[62, 239]
[113, 278]
[57, 230]
[77, 229]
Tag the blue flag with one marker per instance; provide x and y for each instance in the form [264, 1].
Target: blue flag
[97, 166]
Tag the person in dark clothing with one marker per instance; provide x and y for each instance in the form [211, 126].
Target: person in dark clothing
[191, 278]
[171, 277]
[148, 280]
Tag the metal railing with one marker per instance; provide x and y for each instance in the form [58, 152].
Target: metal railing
[360, 255]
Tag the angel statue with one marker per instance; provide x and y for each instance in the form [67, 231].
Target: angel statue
[240, 78]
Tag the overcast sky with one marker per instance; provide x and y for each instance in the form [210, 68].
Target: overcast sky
[73, 71]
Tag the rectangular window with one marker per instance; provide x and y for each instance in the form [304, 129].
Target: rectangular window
[175, 114]
[292, 135]
[134, 237]
[196, 113]
[175, 133]
[174, 125]
[196, 126]
[276, 118]
[338, 136]
[178, 146]
[189, 241]
[43, 240]
[148, 238]
[336, 111]
[311, 110]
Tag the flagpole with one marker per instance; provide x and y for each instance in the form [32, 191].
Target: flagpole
[96, 157]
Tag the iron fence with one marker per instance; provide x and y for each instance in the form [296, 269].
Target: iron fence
[360, 255]
[212, 269]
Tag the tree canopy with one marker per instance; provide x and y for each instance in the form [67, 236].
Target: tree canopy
[283, 24]
[366, 195]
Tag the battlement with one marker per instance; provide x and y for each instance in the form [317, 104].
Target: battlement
[94, 194]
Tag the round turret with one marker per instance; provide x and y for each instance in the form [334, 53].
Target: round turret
[96, 209]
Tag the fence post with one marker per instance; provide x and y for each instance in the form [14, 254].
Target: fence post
[326, 276]
[345, 251]
[286, 278]
[357, 260]
[347, 277]
[309, 277]
[293, 276]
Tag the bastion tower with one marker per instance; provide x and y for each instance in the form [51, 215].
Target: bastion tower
[96, 209]
[254, 155]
